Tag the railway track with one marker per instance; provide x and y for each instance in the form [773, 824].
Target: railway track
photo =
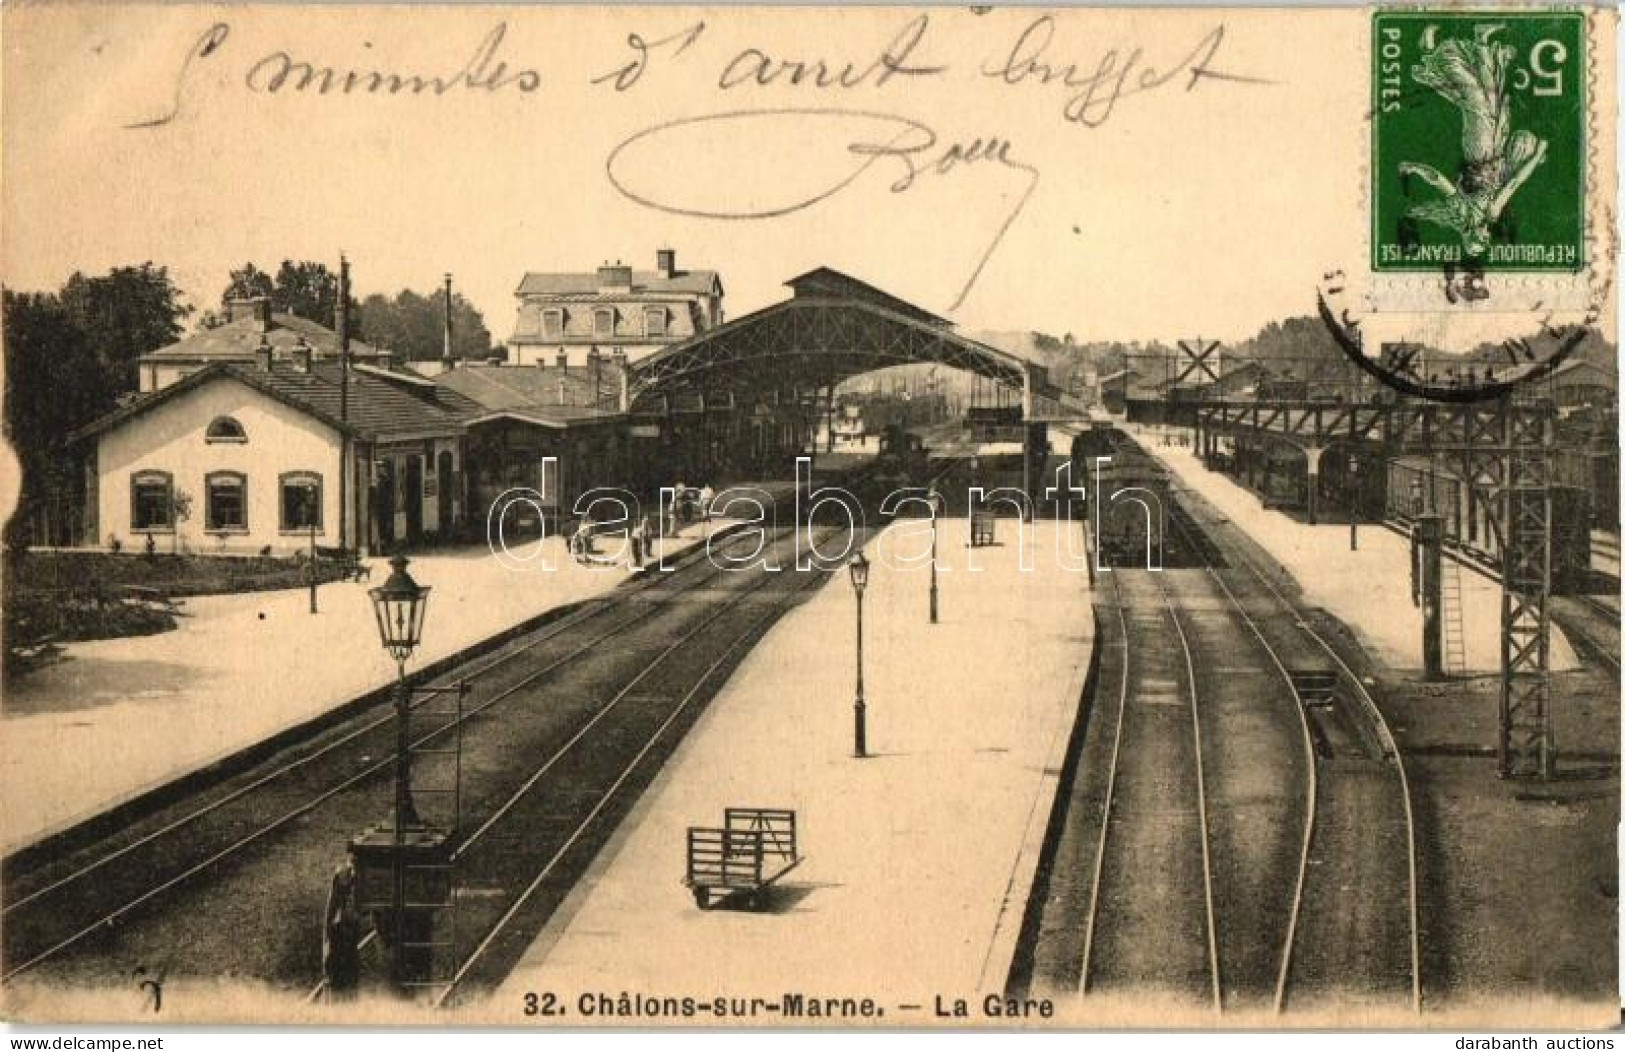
[309, 799]
[1594, 623]
[1141, 934]
[1353, 933]
[1307, 840]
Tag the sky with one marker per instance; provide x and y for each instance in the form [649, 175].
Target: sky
[1171, 212]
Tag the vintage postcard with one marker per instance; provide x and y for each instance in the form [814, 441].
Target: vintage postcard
[891, 517]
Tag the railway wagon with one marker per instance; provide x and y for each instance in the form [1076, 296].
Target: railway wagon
[1132, 506]
[902, 460]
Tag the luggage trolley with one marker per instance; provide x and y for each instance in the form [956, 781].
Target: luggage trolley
[754, 848]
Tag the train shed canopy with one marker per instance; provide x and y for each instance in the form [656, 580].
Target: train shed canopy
[831, 328]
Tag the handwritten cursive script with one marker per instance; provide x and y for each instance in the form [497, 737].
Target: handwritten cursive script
[281, 71]
[641, 168]
[755, 66]
[1093, 94]
[483, 71]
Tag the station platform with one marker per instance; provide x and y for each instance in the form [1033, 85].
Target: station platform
[119, 717]
[1367, 589]
[922, 854]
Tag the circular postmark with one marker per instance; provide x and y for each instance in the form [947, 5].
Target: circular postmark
[1496, 369]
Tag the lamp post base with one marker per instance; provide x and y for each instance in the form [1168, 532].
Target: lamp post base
[404, 887]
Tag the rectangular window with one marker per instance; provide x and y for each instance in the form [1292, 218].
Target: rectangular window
[227, 502]
[152, 504]
[654, 321]
[301, 502]
[603, 322]
[553, 323]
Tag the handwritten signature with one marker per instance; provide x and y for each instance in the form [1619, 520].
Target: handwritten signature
[641, 167]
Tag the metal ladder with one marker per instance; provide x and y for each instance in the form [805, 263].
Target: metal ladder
[1455, 636]
[437, 781]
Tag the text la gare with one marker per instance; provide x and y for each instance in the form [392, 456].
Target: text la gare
[993, 1006]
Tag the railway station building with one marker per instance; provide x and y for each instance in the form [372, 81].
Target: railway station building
[254, 458]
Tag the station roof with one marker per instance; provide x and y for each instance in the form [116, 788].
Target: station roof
[546, 396]
[378, 405]
[833, 326]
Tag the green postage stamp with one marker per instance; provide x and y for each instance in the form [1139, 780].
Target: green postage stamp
[1478, 141]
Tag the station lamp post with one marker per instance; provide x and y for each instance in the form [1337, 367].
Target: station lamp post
[313, 496]
[859, 567]
[1354, 502]
[399, 605]
[936, 510]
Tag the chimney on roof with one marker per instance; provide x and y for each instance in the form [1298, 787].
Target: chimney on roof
[263, 354]
[615, 277]
[562, 361]
[301, 356]
[595, 365]
[256, 307]
[666, 262]
[448, 360]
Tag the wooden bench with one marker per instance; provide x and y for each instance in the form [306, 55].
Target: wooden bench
[349, 561]
[754, 848]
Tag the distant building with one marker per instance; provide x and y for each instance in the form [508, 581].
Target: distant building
[554, 432]
[250, 327]
[563, 317]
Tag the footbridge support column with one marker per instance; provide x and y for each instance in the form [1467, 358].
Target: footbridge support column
[1311, 456]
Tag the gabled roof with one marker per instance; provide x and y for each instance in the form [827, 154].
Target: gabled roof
[1575, 368]
[495, 387]
[237, 340]
[825, 282]
[585, 284]
[380, 406]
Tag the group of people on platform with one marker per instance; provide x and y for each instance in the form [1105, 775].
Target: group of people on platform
[687, 506]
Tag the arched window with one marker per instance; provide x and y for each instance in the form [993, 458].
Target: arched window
[225, 429]
[226, 509]
[603, 321]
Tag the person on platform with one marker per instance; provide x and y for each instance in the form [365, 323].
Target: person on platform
[341, 933]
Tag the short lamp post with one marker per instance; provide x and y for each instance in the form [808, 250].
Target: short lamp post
[399, 605]
[1354, 502]
[313, 497]
[936, 511]
[859, 567]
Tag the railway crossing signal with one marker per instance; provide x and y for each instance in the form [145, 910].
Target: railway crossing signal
[1198, 354]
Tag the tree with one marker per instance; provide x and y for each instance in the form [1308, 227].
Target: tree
[127, 313]
[69, 357]
[247, 282]
[414, 325]
[306, 288]
[309, 290]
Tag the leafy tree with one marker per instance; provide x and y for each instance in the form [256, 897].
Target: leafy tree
[309, 290]
[306, 288]
[414, 325]
[129, 312]
[70, 356]
[247, 282]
